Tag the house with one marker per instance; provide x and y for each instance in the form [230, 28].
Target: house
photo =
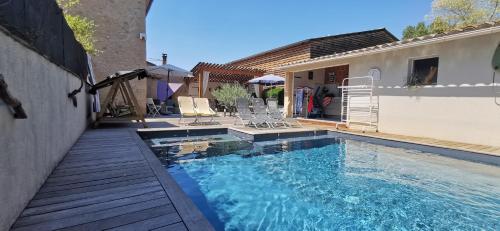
[313, 48]
[270, 60]
[440, 86]
[120, 35]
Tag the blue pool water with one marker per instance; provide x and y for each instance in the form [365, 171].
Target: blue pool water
[329, 183]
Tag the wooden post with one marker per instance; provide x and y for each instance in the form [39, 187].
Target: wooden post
[288, 102]
[200, 84]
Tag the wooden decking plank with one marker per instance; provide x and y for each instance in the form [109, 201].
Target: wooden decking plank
[99, 156]
[127, 165]
[96, 175]
[87, 201]
[173, 227]
[123, 219]
[54, 182]
[94, 194]
[93, 188]
[95, 216]
[100, 150]
[52, 188]
[97, 162]
[39, 218]
[152, 223]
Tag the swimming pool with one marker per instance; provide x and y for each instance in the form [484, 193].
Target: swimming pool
[330, 183]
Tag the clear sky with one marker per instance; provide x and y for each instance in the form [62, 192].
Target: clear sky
[219, 31]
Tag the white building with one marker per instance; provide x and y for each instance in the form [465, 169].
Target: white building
[437, 86]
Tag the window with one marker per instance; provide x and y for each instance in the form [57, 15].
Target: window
[423, 72]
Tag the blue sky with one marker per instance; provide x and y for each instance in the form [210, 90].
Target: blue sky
[218, 31]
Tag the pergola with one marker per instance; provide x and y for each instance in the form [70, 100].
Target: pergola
[222, 73]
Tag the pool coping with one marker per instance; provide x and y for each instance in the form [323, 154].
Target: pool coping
[266, 135]
[192, 217]
[455, 153]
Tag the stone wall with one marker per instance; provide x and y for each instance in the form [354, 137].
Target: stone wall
[30, 148]
[119, 23]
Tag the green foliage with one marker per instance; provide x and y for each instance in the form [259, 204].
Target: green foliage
[451, 14]
[228, 93]
[83, 28]
[416, 31]
[278, 93]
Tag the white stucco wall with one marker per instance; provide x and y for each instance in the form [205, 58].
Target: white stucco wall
[31, 148]
[461, 107]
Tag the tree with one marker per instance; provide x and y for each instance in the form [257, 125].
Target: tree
[83, 28]
[451, 14]
[228, 93]
[416, 31]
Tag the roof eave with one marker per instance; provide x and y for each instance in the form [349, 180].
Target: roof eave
[148, 7]
[325, 62]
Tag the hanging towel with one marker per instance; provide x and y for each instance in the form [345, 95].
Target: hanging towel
[299, 97]
[310, 104]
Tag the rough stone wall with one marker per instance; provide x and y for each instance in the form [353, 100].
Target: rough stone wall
[119, 23]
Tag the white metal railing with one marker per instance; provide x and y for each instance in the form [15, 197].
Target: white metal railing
[357, 103]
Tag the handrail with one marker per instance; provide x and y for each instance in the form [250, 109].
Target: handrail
[361, 108]
[16, 105]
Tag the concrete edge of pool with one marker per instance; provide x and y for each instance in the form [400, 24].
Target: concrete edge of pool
[267, 135]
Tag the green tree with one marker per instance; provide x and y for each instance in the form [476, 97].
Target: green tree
[83, 28]
[228, 93]
[451, 14]
[416, 31]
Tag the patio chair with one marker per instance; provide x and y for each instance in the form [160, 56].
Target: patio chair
[153, 109]
[187, 108]
[244, 114]
[274, 112]
[260, 112]
[203, 108]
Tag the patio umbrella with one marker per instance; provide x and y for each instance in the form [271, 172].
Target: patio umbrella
[169, 72]
[268, 79]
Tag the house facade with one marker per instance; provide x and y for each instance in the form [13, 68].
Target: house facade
[439, 86]
[270, 60]
[120, 35]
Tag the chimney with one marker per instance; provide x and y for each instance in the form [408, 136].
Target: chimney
[164, 58]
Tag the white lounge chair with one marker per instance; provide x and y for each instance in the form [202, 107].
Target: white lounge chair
[153, 109]
[203, 108]
[187, 108]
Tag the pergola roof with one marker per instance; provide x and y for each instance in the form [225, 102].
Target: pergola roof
[226, 73]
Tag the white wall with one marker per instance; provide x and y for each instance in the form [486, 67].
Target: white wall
[461, 107]
[31, 148]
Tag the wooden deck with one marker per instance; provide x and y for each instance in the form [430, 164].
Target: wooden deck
[110, 180]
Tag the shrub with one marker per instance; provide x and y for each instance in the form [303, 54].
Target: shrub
[228, 93]
[278, 93]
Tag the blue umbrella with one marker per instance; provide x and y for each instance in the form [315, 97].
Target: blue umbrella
[268, 79]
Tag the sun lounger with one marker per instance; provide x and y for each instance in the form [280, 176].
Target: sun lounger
[187, 108]
[274, 112]
[246, 116]
[260, 112]
[203, 108]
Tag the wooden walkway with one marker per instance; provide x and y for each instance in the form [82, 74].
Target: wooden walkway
[110, 180]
